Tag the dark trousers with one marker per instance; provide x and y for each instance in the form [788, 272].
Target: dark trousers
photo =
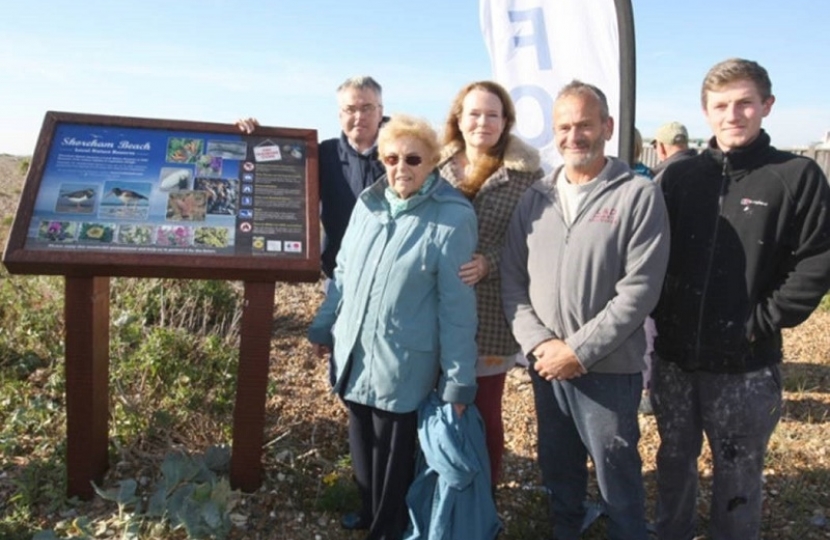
[593, 415]
[488, 401]
[738, 413]
[383, 448]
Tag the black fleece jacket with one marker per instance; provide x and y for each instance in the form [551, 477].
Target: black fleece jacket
[750, 255]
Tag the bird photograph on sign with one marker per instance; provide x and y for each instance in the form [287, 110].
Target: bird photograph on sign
[125, 200]
[76, 199]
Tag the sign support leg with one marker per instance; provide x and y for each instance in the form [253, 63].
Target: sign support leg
[251, 386]
[86, 315]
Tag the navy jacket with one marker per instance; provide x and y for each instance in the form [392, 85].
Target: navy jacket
[344, 173]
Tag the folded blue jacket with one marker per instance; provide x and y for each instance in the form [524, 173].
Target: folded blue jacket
[451, 497]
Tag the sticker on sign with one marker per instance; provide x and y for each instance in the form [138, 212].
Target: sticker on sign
[267, 151]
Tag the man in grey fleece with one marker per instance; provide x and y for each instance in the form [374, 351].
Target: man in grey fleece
[582, 267]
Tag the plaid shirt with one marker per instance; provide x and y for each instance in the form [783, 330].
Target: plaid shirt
[494, 204]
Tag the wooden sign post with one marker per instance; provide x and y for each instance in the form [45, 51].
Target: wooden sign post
[116, 196]
[86, 312]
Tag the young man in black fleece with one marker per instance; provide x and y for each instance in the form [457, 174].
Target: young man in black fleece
[750, 255]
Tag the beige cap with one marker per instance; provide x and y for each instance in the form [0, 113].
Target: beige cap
[672, 133]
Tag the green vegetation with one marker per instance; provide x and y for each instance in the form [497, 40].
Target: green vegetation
[189, 496]
[338, 492]
[173, 351]
[23, 168]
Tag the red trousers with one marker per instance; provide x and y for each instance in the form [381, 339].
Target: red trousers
[488, 401]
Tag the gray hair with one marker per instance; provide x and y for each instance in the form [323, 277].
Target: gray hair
[579, 88]
[361, 82]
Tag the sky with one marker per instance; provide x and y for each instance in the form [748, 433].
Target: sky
[281, 61]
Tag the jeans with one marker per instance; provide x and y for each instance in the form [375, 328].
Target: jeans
[738, 413]
[596, 415]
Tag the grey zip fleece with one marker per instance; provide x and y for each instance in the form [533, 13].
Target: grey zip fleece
[591, 284]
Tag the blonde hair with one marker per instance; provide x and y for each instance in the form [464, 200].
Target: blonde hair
[638, 145]
[402, 125]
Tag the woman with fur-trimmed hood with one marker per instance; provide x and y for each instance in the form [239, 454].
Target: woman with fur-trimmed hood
[492, 168]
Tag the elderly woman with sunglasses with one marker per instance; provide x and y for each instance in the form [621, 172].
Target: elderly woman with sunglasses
[405, 320]
[492, 168]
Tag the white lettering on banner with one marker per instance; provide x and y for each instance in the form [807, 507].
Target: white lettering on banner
[539, 112]
[538, 38]
[538, 46]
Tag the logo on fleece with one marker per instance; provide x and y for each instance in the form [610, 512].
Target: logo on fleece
[747, 204]
[604, 215]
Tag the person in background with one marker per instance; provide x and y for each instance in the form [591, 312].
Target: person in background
[750, 234]
[405, 320]
[582, 266]
[347, 164]
[492, 168]
[639, 167]
[648, 325]
[671, 142]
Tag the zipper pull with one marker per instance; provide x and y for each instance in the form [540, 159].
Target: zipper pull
[724, 174]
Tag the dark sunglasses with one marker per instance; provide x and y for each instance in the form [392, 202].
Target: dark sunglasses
[411, 160]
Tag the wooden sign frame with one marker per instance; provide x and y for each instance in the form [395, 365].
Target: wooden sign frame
[135, 197]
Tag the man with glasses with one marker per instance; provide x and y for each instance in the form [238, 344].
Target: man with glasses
[349, 163]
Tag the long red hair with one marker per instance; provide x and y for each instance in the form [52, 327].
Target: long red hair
[483, 168]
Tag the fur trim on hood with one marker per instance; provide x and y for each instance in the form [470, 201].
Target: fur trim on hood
[519, 156]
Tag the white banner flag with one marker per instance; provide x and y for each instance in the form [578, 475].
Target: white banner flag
[538, 46]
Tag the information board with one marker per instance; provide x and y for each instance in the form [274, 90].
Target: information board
[121, 196]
